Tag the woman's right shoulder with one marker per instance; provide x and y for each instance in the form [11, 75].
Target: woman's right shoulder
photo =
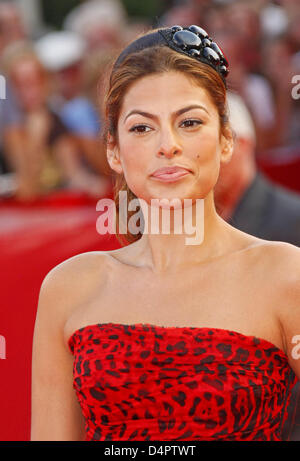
[71, 283]
[70, 271]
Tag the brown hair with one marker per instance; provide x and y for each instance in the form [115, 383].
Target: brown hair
[157, 59]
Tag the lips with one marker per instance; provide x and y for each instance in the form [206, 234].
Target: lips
[170, 173]
[170, 170]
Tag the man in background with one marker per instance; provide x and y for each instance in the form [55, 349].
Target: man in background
[245, 197]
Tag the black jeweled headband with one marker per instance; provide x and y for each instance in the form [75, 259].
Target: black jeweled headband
[192, 41]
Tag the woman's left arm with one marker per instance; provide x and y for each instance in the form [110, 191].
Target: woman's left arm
[290, 309]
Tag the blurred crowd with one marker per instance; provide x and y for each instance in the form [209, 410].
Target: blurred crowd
[51, 117]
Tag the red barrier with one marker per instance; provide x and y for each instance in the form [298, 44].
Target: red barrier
[284, 169]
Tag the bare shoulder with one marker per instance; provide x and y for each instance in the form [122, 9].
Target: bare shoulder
[69, 283]
[281, 269]
[80, 267]
[284, 259]
[275, 266]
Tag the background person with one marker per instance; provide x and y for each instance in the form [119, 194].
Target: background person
[41, 150]
[70, 99]
[12, 28]
[245, 197]
[102, 23]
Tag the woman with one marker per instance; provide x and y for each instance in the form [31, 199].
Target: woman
[171, 341]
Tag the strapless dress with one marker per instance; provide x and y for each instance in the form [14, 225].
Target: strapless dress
[148, 382]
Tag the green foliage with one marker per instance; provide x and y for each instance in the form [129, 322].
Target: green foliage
[143, 8]
[54, 11]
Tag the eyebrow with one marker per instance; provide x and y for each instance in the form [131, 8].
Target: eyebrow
[176, 114]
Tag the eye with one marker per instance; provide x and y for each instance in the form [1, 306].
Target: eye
[191, 123]
[140, 129]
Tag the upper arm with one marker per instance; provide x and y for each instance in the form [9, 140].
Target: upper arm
[56, 413]
[290, 309]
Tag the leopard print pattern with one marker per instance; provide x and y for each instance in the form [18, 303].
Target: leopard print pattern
[146, 382]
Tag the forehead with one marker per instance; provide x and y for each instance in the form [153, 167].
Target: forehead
[165, 91]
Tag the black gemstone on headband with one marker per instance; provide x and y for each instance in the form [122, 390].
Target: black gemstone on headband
[176, 28]
[194, 52]
[206, 42]
[224, 70]
[199, 31]
[186, 39]
[192, 41]
[211, 55]
[215, 47]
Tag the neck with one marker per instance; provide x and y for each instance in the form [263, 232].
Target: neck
[174, 251]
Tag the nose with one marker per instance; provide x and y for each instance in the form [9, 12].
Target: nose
[169, 144]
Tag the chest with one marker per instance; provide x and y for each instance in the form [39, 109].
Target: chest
[229, 297]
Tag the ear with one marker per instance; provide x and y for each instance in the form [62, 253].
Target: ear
[113, 155]
[227, 145]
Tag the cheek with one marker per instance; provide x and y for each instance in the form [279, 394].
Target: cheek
[207, 150]
[132, 158]
[134, 163]
[207, 159]
[135, 151]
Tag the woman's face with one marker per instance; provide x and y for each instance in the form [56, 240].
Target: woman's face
[167, 120]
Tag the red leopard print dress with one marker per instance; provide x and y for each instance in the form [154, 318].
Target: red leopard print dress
[147, 382]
